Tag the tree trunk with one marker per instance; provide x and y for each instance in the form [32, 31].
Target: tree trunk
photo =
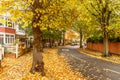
[59, 43]
[50, 43]
[38, 64]
[81, 38]
[106, 48]
[63, 38]
[0, 63]
[43, 43]
[53, 42]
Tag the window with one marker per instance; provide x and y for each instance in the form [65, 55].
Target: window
[10, 39]
[1, 21]
[4, 21]
[1, 39]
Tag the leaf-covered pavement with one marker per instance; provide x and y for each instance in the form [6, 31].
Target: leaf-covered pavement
[114, 58]
[56, 68]
[93, 68]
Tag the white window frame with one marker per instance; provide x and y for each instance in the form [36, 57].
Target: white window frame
[9, 38]
[6, 23]
[1, 38]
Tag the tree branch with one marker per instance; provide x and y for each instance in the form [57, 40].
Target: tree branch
[97, 11]
[91, 12]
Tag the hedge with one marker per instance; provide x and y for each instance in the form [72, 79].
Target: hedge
[100, 39]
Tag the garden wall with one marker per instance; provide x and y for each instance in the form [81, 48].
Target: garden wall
[114, 47]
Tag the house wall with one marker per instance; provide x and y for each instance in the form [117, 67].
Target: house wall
[7, 30]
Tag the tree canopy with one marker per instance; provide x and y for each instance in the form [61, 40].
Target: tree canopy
[41, 15]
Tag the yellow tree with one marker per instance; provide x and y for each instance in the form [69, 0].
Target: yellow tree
[104, 13]
[42, 14]
[71, 35]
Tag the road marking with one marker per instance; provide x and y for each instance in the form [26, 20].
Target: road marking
[112, 71]
[65, 49]
[78, 58]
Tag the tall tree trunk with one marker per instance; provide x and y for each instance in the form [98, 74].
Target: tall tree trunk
[53, 42]
[106, 48]
[0, 63]
[63, 38]
[81, 38]
[38, 64]
[50, 43]
[43, 43]
[59, 43]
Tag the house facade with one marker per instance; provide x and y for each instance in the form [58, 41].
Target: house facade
[9, 31]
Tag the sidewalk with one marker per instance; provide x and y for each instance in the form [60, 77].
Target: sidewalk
[96, 54]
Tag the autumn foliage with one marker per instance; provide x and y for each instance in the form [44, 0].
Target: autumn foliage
[56, 68]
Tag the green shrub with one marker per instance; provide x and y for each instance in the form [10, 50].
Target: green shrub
[114, 39]
[95, 39]
[100, 39]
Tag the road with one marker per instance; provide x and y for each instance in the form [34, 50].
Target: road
[93, 68]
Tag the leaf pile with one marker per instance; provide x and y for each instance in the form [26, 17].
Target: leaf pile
[56, 68]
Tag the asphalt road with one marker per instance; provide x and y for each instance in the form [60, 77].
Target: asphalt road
[93, 68]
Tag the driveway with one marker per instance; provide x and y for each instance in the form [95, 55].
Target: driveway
[93, 68]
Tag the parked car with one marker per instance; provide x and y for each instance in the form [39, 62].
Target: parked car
[74, 44]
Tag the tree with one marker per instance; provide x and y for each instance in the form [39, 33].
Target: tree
[0, 63]
[80, 28]
[102, 11]
[38, 63]
[71, 34]
[56, 36]
[82, 23]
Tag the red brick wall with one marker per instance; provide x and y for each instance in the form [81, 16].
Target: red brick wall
[7, 30]
[114, 47]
